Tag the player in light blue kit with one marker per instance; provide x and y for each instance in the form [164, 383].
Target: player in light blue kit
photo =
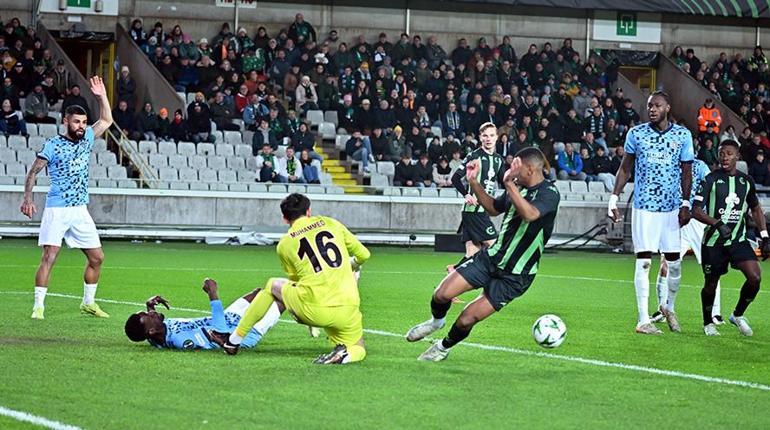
[692, 238]
[66, 215]
[192, 333]
[661, 155]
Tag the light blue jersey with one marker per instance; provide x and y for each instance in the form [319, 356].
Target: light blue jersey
[657, 169]
[190, 333]
[699, 171]
[68, 169]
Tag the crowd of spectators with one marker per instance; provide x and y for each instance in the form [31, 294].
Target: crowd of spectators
[34, 84]
[742, 85]
[398, 100]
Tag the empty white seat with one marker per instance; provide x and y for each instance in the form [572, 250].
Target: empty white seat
[296, 188]
[168, 148]
[43, 181]
[36, 143]
[158, 160]
[117, 172]
[331, 116]
[92, 159]
[327, 130]
[380, 181]
[168, 174]
[3, 142]
[281, 151]
[276, 188]
[127, 183]
[239, 123]
[7, 156]
[258, 188]
[188, 174]
[31, 129]
[199, 186]
[186, 148]
[341, 140]
[16, 169]
[148, 147]
[225, 150]
[429, 192]
[335, 190]
[436, 131]
[238, 187]
[227, 176]
[233, 137]
[218, 186]
[197, 161]
[386, 168]
[47, 130]
[236, 163]
[54, 115]
[448, 192]
[315, 189]
[742, 167]
[596, 187]
[63, 130]
[177, 160]
[243, 151]
[247, 176]
[208, 175]
[107, 183]
[251, 163]
[17, 142]
[217, 162]
[629, 188]
[100, 145]
[97, 172]
[176, 185]
[132, 146]
[107, 158]
[315, 117]
[189, 97]
[26, 156]
[578, 187]
[218, 136]
[205, 148]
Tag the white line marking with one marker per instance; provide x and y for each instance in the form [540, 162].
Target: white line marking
[364, 272]
[569, 358]
[37, 420]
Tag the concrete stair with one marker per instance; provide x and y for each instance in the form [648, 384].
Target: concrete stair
[339, 170]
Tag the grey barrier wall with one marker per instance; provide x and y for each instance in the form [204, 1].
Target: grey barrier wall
[170, 209]
[688, 96]
[150, 84]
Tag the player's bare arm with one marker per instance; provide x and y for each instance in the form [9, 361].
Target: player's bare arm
[624, 173]
[527, 211]
[105, 111]
[28, 206]
[684, 210]
[485, 200]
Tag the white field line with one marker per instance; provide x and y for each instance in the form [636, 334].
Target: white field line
[37, 420]
[213, 271]
[516, 351]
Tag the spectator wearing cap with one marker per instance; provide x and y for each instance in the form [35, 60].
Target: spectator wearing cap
[36, 107]
[21, 78]
[759, 168]
[364, 116]
[126, 87]
[306, 96]
[204, 49]
[346, 113]
[570, 164]
[178, 128]
[709, 114]
[199, 122]
[263, 135]
[75, 99]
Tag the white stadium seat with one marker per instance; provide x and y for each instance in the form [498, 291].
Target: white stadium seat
[186, 148]
[168, 148]
[148, 147]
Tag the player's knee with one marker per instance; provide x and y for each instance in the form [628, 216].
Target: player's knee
[96, 260]
[754, 279]
[48, 259]
[441, 295]
[466, 321]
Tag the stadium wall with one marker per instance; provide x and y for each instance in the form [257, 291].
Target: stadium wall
[169, 209]
[447, 20]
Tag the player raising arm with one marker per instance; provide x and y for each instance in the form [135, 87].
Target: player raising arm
[191, 333]
[721, 203]
[660, 155]
[507, 269]
[66, 214]
[318, 255]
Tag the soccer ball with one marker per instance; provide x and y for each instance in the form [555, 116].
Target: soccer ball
[549, 331]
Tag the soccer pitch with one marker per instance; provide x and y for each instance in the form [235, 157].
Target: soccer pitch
[84, 372]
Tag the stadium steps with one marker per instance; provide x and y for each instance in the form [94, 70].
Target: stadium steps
[338, 169]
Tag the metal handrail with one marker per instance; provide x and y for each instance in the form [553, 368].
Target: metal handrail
[146, 172]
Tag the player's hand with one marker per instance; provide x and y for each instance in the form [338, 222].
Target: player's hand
[764, 247]
[684, 216]
[472, 170]
[28, 208]
[725, 232]
[97, 86]
[513, 171]
[210, 286]
[470, 199]
[155, 301]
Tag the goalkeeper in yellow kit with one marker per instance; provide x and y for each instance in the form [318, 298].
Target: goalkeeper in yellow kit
[319, 255]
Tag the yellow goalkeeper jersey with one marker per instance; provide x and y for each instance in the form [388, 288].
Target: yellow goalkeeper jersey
[315, 254]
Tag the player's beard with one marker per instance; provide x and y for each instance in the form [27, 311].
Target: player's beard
[76, 134]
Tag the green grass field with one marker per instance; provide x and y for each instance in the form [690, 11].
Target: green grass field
[84, 372]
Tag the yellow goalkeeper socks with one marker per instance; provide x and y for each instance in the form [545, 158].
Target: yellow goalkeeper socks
[255, 312]
[355, 353]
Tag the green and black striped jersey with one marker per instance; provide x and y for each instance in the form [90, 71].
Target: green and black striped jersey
[490, 175]
[726, 198]
[520, 244]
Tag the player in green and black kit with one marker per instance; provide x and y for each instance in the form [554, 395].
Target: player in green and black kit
[477, 229]
[721, 203]
[507, 269]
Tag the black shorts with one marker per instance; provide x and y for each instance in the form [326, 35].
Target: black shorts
[477, 227]
[715, 258]
[499, 286]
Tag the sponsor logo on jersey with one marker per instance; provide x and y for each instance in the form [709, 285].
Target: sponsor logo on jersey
[732, 199]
